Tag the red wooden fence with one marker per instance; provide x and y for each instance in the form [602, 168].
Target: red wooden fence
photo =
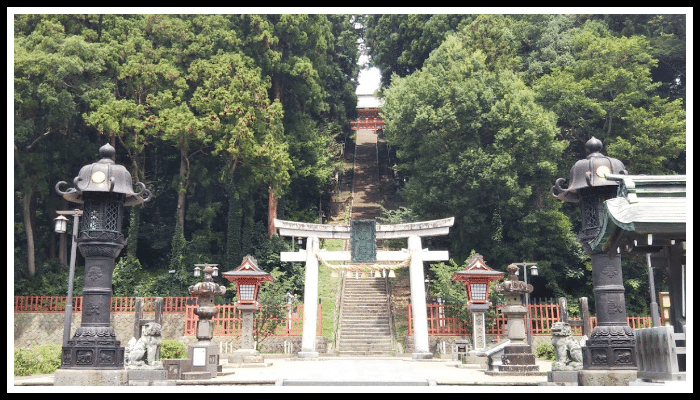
[542, 317]
[49, 304]
[229, 321]
[439, 324]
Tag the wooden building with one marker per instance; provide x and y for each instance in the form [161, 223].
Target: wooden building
[369, 110]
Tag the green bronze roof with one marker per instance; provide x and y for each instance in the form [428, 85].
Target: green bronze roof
[645, 204]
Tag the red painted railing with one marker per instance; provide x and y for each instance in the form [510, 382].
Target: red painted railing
[229, 320]
[57, 304]
[541, 315]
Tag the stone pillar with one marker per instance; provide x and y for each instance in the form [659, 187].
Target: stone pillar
[247, 328]
[418, 306]
[308, 337]
[479, 325]
[247, 352]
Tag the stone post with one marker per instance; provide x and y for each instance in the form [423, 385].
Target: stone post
[479, 325]
[418, 306]
[308, 338]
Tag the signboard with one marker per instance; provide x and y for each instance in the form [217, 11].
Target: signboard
[199, 357]
[363, 241]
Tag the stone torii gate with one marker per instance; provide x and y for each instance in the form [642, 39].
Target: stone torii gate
[363, 235]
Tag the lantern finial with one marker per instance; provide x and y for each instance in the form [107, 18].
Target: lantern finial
[107, 151]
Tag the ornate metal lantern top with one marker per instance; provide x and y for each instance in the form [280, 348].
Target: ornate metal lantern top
[513, 285]
[207, 288]
[477, 277]
[105, 176]
[588, 173]
[248, 278]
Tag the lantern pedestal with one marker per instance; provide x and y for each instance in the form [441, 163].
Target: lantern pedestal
[204, 358]
[517, 358]
[247, 353]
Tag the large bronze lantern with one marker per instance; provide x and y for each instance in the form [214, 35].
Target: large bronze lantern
[104, 188]
[611, 345]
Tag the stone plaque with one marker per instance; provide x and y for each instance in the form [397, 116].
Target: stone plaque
[363, 243]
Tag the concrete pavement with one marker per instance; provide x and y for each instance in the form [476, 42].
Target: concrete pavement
[343, 371]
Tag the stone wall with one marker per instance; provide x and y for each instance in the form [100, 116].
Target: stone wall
[33, 329]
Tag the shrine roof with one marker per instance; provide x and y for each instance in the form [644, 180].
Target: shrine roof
[645, 204]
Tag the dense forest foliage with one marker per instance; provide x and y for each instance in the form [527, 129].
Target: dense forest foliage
[486, 111]
[232, 120]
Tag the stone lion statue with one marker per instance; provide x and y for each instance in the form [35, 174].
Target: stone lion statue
[567, 350]
[143, 353]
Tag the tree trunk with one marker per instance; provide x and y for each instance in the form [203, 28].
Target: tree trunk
[272, 198]
[233, 229]
[28, 217]
[182, 189]
[271, 211]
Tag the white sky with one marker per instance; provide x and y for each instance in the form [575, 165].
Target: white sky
[368, 81]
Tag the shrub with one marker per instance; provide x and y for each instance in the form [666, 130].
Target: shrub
[44, 359]
[545, 351]
[172, 349]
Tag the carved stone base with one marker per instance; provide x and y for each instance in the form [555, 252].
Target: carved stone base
[92, 354]
[610, 347]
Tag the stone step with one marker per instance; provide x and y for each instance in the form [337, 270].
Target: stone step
[357, 322]
[366, 340]
[365, 310]
[364, 346]
[364, 320]
[364, 294]
[353, 343]
[366, 332]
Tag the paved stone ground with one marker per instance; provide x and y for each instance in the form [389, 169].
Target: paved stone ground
[346, 371]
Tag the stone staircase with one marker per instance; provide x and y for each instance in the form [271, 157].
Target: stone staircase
[365, 325]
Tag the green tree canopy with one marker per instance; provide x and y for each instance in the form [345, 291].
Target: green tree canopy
[476, 145]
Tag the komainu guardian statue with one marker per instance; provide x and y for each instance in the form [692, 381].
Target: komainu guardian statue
[144, 353]
[567, 350]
